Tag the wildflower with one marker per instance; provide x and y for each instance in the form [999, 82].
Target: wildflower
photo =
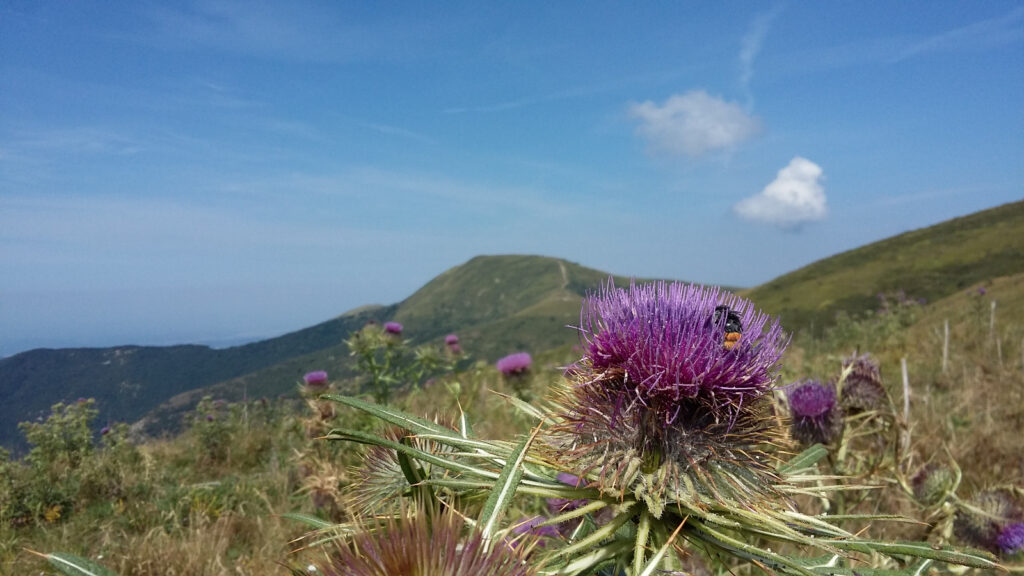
[982, 291]
[316, 380]
[982, 520]
[817, 417]
[393, 328]
[862, 390]
[455, 348]
[1011, 538]
[451, 339]
[514, 364]
[931, 483]
[419, 545]
[661, 406]
[105, 430]
[209, 417]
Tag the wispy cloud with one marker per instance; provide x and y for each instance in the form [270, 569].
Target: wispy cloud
[794, 198]
[984, 34]
[751, 45]
[693, 124]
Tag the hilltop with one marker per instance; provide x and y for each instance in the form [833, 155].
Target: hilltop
[930, 263]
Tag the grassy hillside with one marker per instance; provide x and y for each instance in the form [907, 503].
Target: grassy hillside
[929, 263]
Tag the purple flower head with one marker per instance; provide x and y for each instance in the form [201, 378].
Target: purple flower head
[817, 417]
[105, 430]
[982, 291]
[317, 379]
[669, 398]
[514, 364]
[451, 339]
[455, 348]
[985, 521]
[209, 417]
[81, 400]
[1011, 538]
[670, 342]
[393, 328]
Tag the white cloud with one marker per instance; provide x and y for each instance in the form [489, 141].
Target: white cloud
[692, 124]
[792, 199]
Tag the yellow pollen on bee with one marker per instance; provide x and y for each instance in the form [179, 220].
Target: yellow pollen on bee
[731, 339]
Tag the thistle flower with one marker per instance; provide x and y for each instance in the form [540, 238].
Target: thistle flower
[862, 390]
[317, 379]
[661, 406]
[418, 545]
[817, 417]
[514, 364]
[1011, 538]
[931, 483]
[393, 328]
[983, 519]
[379, 481]
[105, 430]
[451, 339]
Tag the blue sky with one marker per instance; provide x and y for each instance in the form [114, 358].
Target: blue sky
[213, 170]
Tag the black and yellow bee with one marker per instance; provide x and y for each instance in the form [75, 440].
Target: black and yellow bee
[733, 326]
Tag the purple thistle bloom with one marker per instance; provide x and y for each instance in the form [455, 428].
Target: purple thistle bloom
[990, 513]
[982, 291]
[451, 339]
[668, 343]
[817, 417]
[393, 328]
[1011, 538]
[105, 430]
[209, 417]
[514, 364]
[317, 379]
[669, 399]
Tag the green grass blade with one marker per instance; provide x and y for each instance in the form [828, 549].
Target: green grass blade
[308, 520]
[804, 460]
[71, 565]
[414, 424]
[505, 488]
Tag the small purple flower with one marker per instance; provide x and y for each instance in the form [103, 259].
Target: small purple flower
[209, 417]
[982, 291]
[514, 364]
[451, 339]
[105, 430]
[455, 348]
[1011, 538]
[81, 400]
[817, 417]
[393, 328]
[317, 379]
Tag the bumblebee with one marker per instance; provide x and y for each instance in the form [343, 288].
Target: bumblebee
[733, 326]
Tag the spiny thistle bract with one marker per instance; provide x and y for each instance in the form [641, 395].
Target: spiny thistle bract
[862, 390]
[426, 546]
[661, 407]
[817, 416]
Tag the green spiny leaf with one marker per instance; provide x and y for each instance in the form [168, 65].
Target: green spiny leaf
[505, 487]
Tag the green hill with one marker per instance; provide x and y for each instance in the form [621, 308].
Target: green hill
[929, 263]
[496, 304]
